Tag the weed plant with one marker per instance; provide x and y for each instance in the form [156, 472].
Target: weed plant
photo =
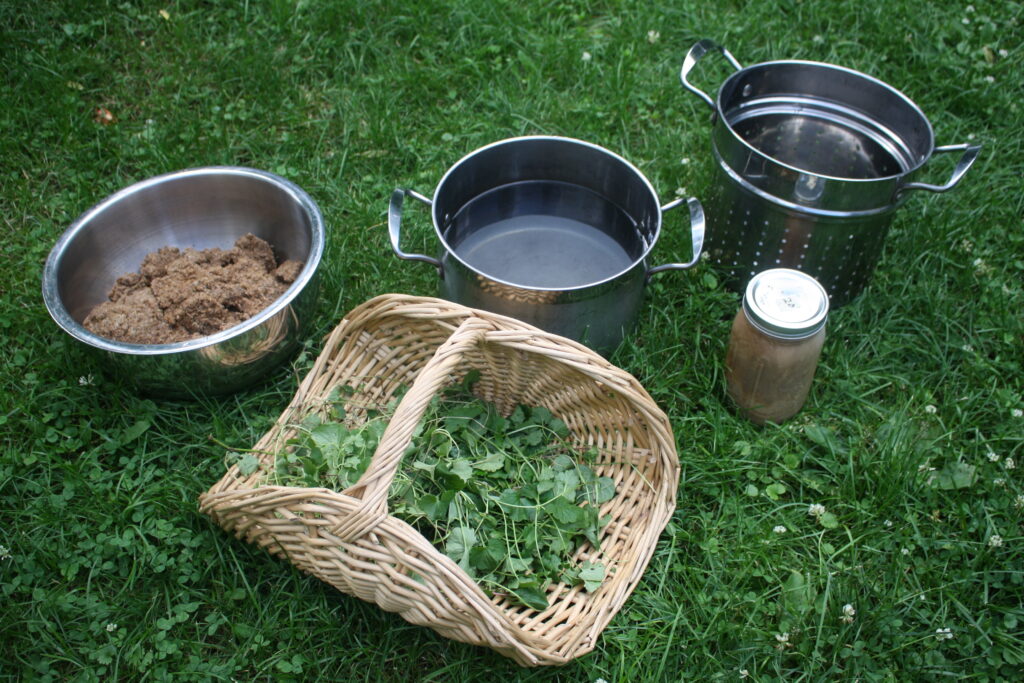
[877, 536]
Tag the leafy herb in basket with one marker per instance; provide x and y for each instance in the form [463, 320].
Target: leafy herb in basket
[506, 497]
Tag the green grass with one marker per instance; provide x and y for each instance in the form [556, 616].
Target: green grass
[109, 571]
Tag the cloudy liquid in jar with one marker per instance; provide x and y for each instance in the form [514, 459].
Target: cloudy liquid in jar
[774, 345]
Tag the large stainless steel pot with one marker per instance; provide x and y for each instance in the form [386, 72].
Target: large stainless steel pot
[555, 198]
[811, 162]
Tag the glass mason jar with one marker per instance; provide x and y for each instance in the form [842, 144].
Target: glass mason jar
[774, 344]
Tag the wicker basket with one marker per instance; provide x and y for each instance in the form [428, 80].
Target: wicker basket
[348, 538]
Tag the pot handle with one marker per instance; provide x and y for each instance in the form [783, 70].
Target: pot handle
[395, 227]
[970, 155]
[696, 234]
[696, 53]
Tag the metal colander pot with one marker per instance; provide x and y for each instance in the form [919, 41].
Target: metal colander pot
[811, 161]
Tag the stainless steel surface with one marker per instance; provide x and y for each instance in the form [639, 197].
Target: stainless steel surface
[786, 303]
[597, 313]
[697, 230]
[395, 227]
[199, 208]
[811, 161]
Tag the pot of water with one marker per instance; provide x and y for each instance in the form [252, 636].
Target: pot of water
[553, 231]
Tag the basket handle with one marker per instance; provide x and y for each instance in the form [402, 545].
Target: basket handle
[696, 234]
[696, 53]
[967, 159]
[395, 227]
[373, 486]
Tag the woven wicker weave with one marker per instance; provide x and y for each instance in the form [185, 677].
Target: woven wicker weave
[348, 539]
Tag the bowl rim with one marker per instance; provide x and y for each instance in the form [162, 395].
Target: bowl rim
[60, 314]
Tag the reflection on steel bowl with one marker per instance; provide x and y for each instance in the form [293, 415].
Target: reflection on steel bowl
[198, 208]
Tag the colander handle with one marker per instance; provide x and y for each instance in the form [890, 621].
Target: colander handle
[395, 227]
[696, 53]
[970, 155]
[696, 234]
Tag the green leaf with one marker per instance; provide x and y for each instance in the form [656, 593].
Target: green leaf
[462, 469]
[605, 490]
[797, 594]
[562, 462]
[775, 491]
[531, 594]
[471, 378]
[435, 507]
[957, 475]
[828, 520]
[516, 565]
[494, 461]
[459, 544]
[592, 574]
[826, 437]
[560, 429]
[566, 512]
[248, 464]
[134, 432]
[541, 415]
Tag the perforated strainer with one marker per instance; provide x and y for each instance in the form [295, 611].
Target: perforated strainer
[812, 160]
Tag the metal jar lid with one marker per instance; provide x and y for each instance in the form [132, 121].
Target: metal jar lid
[786, 303]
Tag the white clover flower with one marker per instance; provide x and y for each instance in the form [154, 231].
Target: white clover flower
[965, 21]
[968, 348]
[85, 380]
[848, 610]
[652, 37]
[1017, 412]
[586, 57]
[1009, 463]
[969, 9]
[990, 79]
[1003, 52]
[111, 627]
[5, 553]
[1019, 501]
[600, 680]
[681, 192]
[782, 638]
[992, 456]
[779, 529]
[943, 634]
[744, 673]
[999, 481]
[930, 409]
[995, 541]
[684, 161]
[887, 523]
[816, 509]
[905, 551]
[818, 39]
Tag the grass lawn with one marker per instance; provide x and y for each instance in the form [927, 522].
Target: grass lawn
[912, 439]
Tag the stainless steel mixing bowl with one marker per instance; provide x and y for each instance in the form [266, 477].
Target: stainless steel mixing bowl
[199, 208]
